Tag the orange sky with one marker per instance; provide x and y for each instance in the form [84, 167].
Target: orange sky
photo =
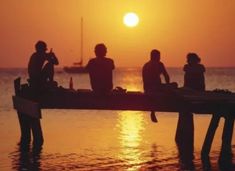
[175, 27]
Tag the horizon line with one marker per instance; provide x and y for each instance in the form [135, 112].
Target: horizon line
[124, 67]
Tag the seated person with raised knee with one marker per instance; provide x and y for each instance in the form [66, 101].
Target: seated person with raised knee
[194, 73]
[40, 72]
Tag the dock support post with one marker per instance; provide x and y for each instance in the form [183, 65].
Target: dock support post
[24, 122]
[185, 139]
[227, 134]
[28, 124]
[37, 132]
[210, 135]
[225, 158]
[185, 128]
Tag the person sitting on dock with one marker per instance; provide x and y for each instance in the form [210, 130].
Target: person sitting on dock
[151, 74]
[100, 70]
[193, 79]
[41, 74]
[194, 73]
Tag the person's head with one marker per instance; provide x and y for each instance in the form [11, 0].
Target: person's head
[41, 46]
[100, 50]
[155, 55]
[193, 58]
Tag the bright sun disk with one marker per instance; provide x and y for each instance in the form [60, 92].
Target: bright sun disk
[131, 19]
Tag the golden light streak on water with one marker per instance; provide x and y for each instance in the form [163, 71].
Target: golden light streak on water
[131, 125]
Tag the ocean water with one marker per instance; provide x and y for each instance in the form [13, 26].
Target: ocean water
[107, 140]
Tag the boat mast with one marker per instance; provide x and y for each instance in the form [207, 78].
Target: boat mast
[81, 50]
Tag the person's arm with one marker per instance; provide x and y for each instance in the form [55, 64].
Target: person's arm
[165, 74]
[113, 66]
[55, 60]
[51, 57]
[88, 66]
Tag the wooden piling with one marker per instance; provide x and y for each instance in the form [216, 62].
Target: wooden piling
[23, 119]
[24, 122]
[37, 132]
[185, 128]
[28, 122]
[210, 135]
[227, 136]
[225, 158]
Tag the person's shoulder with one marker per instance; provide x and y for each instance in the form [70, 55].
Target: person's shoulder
[186, 67]
[34, 56]
[109, 59]
[161, 63]
[202, 67]
[146, 64]
[92, 60]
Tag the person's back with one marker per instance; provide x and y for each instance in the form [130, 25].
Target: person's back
[100, 70]
[151, 73]
[194, 73]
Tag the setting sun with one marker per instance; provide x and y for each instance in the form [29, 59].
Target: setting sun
[131, 19]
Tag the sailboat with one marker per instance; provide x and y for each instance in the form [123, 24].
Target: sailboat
[78, 67]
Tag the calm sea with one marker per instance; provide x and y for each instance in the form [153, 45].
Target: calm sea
[106, 140]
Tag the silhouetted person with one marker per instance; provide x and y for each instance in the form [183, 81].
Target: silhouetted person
[152, 71]
[194, 73]
[100, 70]
[40, 72]
[193, 79]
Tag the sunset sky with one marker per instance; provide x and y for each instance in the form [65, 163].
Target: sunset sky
[175, 27]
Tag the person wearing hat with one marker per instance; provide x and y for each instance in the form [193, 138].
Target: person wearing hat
[194, 73]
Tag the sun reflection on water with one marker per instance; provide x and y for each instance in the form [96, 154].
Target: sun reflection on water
[131, 125]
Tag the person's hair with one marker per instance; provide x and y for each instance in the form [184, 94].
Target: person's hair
[100, 50]
[155, 55]
[193, 58]
[41, 46]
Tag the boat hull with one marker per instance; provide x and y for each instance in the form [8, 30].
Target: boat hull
[76, 69]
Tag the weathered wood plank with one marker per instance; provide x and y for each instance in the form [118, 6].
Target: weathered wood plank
[177, 100]
[164, 101]
[27, 107]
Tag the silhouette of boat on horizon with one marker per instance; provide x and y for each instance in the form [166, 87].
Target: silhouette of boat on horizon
[78, 67]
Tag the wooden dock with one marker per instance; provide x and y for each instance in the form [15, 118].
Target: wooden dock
[178, 100]
[218, 104]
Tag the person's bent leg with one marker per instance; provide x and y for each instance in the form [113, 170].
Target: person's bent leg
[48, 72]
